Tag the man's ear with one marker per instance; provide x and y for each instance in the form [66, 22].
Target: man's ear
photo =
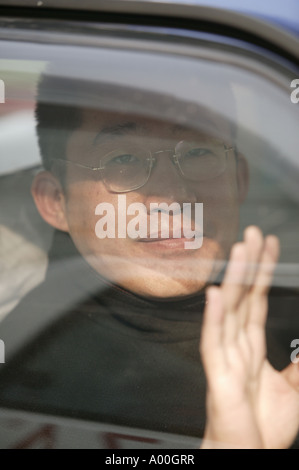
[49, 199]
[242, 177]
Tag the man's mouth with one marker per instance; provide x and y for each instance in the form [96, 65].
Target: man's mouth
[153, 239]
[160, 236]
[159, 242]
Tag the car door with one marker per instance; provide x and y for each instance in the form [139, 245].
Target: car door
[179, 71]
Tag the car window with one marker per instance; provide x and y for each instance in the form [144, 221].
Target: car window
[23, 246]
[101, 316]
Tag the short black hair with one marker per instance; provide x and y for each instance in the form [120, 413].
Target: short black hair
[61, 100]
[55, 118]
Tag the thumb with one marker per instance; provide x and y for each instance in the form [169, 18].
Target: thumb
[291, 374]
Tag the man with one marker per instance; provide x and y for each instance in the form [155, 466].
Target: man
[126, 348]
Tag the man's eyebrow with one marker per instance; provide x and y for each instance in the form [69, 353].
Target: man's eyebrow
[118, 129]
[201, 128]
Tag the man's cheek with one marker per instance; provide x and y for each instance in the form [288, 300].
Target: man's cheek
[80, 218]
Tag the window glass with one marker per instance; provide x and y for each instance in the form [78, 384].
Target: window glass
[126, 177]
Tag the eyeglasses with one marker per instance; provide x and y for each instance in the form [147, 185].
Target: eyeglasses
[129, 167]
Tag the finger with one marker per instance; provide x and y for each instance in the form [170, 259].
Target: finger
[233, 282]
[254, 242]
[267, 265]
[263, 280]
[211, 334]
[237, 304]
[256, 320]
[291, 374]
[233, 289]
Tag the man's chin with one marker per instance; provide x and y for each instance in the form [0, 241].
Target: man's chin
[156, 277]
[157, 281]
[166, 291]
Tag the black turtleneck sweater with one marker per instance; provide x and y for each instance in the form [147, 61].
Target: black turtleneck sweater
[97, 351]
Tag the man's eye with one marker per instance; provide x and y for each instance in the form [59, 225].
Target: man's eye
[124, 159]
[198, 152]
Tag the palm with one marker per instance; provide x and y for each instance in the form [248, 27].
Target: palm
[278, 408]
[248, 402]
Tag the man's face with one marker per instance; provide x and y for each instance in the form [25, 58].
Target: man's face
[155, 267]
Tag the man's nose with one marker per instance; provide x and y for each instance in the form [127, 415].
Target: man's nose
[167, 184]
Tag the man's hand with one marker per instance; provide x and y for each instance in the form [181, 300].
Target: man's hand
[249, 403]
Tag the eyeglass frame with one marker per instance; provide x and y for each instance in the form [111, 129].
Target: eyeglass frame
[175, 157]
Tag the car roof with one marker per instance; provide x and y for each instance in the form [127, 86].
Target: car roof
[273, 21]
[285, 14]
